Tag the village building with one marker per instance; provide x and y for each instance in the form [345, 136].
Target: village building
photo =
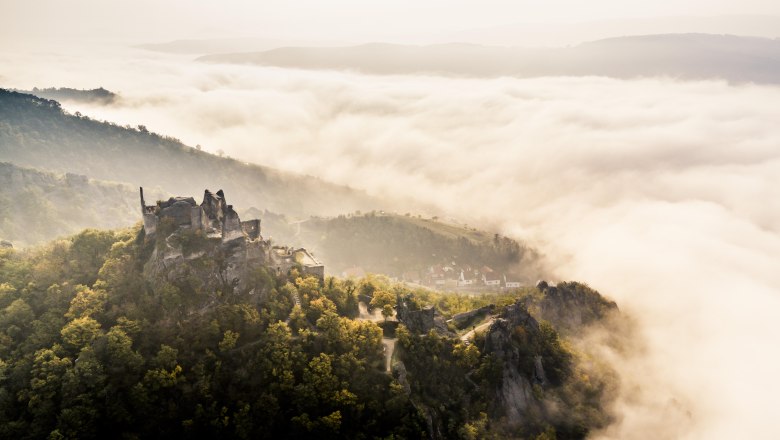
[510, 283]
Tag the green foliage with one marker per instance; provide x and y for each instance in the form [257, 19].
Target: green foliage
[342, 294]
[126, 357]
[394, 244]
[87, 302]
[385, 301]
[133, 356]
[557, 359]
[80, 332]
[37, 206]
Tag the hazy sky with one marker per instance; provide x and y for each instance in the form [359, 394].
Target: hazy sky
[153, 20]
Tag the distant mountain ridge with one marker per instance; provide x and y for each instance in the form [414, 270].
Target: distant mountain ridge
[217, 45]
[682, 56]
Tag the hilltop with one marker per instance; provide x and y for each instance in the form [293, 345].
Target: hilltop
[96, 342]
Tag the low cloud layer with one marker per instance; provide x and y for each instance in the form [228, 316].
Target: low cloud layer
[660, 194]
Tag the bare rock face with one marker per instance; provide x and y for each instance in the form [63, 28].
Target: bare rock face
[462, 319]
[417, 321]
[515, 397]
[570, 306]
[208, 248]
[421, 321]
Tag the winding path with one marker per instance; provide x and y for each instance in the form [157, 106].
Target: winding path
[297, 300]
[388, 343]
[470, 334]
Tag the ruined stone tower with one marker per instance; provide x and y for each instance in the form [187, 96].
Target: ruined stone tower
[213, 216]
[241, 241]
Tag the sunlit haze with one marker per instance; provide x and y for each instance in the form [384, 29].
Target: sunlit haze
[660, 191]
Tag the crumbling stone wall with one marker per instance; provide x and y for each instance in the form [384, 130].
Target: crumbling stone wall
[241, 246]
[231, 225]
[417, 321]
[179, 209]
[149, 214]
[251, 229]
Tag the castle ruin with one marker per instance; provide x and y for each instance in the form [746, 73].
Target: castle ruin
[241, 240]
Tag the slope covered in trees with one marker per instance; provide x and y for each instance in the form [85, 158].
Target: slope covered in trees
[36, 206]
[99, 95]
[93, 346]
[393, 244]
[36, 132]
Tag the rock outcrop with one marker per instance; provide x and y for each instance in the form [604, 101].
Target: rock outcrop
[515, 398]
[417, 321]
[420, 321]
[461, 320]
[571, 306]
[211, 232]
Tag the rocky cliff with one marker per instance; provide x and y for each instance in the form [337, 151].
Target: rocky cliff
[570, 306]
[509, 339]
[207, 248]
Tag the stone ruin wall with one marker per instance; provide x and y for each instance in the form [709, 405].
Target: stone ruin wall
[218, 219]
[251, 229]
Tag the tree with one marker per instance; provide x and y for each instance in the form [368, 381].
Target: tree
[80, 332]
[87, 302]
[17, 313]
[384, 300]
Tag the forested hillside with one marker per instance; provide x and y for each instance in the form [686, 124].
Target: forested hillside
[99, 95]
[393, 244]
[36, 206]
[93, 345]
[36, 132]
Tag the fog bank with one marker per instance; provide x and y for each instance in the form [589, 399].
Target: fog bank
[660, 194]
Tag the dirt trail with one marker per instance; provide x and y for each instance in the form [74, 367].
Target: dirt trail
[470, 334]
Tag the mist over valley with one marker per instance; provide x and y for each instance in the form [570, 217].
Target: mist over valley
[636, 175]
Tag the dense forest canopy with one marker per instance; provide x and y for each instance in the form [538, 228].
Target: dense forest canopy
[93, 346]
